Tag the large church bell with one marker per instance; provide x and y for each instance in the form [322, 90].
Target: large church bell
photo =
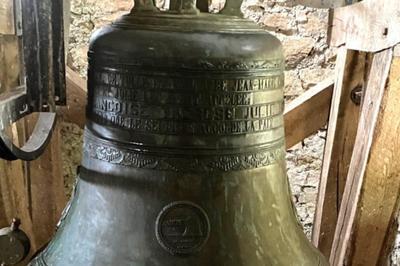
[184, 148]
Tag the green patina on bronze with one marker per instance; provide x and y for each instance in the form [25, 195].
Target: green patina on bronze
[184, 160]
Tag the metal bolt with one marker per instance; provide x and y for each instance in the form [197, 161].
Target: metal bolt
[356, 95]
[45, 107]
[15, 224]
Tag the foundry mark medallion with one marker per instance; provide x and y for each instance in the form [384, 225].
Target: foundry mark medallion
[182, 228]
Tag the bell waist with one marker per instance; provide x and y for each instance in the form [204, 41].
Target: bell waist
[99, 152]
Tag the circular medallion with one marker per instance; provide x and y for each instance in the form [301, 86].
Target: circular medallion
[182, 228]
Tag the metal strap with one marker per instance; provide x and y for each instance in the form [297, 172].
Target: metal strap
[35, 145]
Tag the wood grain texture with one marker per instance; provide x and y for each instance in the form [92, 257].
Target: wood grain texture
[75, 111]
[34, 191]
[308, 113]
[12, 187]
[10, 67]
[342, 130]
[379, 200]
[368, 26]
[7, 21]
[347, 219]
[47, 198]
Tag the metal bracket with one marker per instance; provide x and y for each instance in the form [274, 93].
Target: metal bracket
[44, 72]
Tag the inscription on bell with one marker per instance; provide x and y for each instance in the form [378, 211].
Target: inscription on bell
[185, 112]
[127, 80]
[163, 105]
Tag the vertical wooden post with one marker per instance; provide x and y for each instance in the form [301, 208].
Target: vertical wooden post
[373, 179]
[342, 129]
[7, 21]
[9, 62]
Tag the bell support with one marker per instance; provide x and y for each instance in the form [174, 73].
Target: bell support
[43, 85]
[9, 110]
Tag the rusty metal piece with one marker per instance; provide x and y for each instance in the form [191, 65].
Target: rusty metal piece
[357, 94]
[14, 244]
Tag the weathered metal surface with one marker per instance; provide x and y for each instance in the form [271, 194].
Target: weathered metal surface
[14, 244]
[43, 43]
[184, 153]
[44, 82]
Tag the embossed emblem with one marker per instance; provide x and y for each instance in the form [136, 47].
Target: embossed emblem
[182, 228]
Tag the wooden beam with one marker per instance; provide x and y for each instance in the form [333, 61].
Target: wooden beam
[378, 205]
[45, 184]
[7, 21]
[308, 113]
[34, 191]
[371, 172]
[13, 185]
[368, 26]
[9, 62]
[75, 110]
[342, 130]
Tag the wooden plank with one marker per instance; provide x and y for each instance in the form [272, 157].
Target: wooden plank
[342, 244]
[74, 112]
[7, 21]
[368, 26]
[12, 173]
[342, 130]
[308, 113]
[46, 189]
[379, 200]
[14, 182]
[9, 62]
[33, 191]
[12, 188]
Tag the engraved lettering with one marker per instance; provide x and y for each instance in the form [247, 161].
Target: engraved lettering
[167, 105]
[132, 81]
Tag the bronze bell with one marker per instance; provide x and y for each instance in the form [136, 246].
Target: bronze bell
[184, 150]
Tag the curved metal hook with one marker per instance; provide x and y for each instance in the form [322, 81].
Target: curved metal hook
[36, 143]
